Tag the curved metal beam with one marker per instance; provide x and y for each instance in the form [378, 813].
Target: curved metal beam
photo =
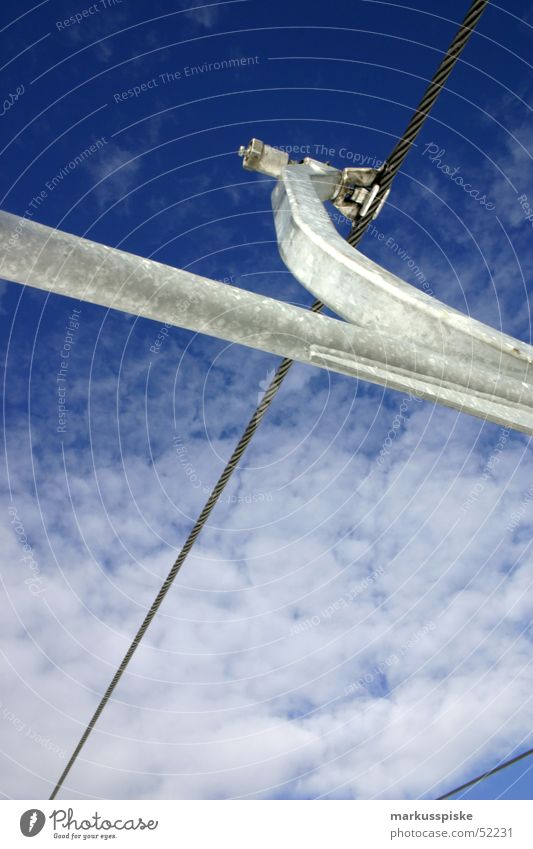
[457, 354]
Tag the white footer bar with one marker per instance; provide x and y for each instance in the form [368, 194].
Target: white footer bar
[269, 824]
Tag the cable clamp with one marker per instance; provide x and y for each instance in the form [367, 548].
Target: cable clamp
[352, 190]
[356, 192]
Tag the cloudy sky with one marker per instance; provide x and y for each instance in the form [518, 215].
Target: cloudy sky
[355, 620]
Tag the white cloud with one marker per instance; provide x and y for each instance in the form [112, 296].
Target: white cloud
[343, 628]
[205, 15]
[251, 682]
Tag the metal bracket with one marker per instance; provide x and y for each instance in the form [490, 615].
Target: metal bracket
[356, 192]
[352, 190]
[258, 156]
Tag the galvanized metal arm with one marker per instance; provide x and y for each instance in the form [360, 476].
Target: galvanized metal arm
[393, 334]
[459, 361]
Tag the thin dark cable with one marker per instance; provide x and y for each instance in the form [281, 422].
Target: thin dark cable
[245, 439]
[487, 774]
[356, 235]
[397, 156]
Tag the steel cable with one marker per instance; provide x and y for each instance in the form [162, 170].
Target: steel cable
[400, 151]
[485, 775]
[390, 169]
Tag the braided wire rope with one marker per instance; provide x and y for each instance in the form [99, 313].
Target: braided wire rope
[390, 169]
[400, 151]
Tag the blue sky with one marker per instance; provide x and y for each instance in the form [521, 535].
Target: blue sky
[355, 621]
